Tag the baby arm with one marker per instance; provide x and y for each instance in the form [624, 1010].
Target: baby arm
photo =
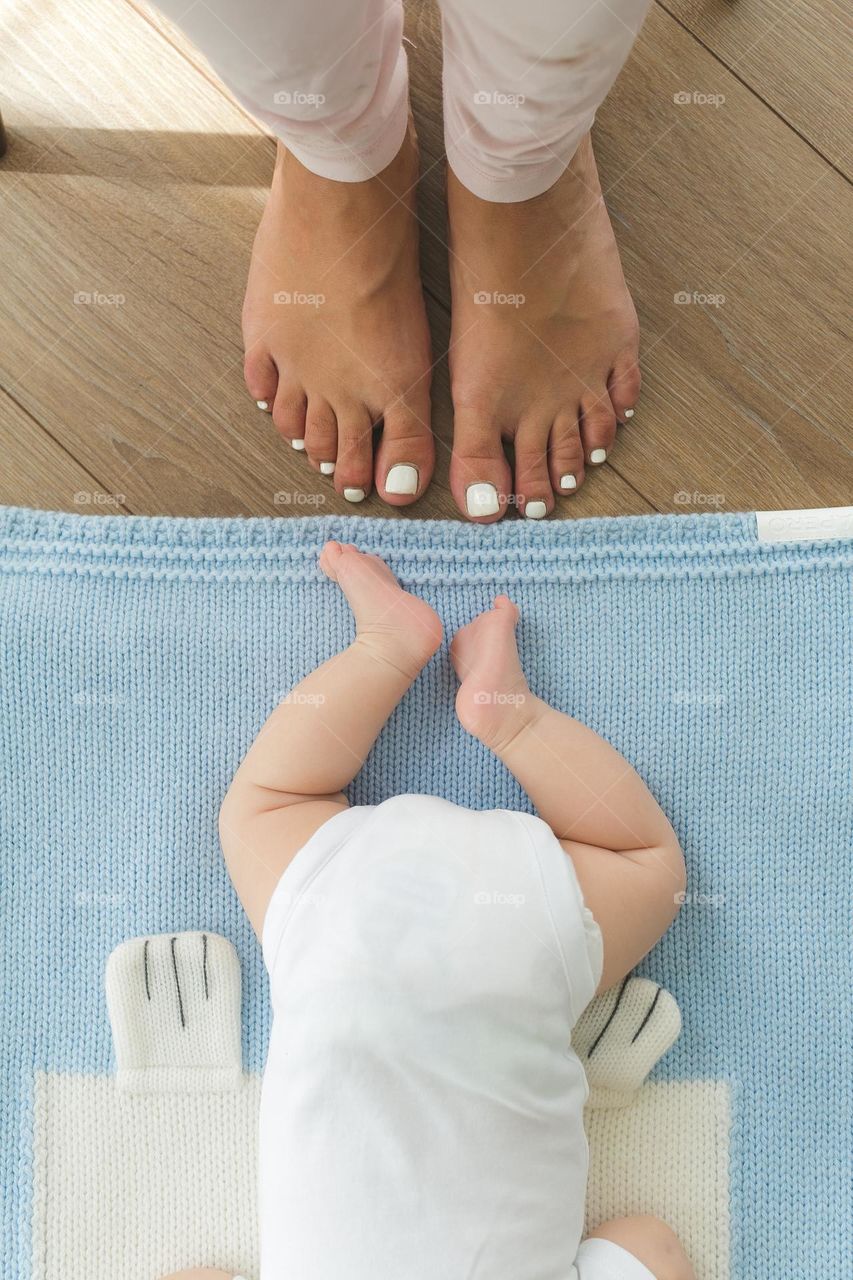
[314, 743]
[625, 853]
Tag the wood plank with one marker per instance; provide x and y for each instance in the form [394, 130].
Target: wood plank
[38, 472]
[151, 214]
[723, 471]
[610, 494]
[791, 53]
[143, 179]
[747, 398]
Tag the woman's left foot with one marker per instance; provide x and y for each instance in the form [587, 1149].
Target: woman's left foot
[544, 343]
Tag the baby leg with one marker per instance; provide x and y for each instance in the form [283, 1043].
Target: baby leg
[315, 742]
[625, 853]
[638, 1248]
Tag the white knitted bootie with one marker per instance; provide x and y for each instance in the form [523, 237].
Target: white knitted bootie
[621, 1035]
[174, 1006]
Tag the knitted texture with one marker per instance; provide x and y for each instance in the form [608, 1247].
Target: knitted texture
[139, 658]
[174, 1006]
[668, 1153]
[621, 1035]
[134, 1186]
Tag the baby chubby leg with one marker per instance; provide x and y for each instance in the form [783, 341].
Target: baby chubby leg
[638, 1248]
[315, 742]
[625, 853]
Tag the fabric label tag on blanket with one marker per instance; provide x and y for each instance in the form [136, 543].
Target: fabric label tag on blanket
[819, 524]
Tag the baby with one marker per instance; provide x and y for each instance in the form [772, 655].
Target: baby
[422, 1108]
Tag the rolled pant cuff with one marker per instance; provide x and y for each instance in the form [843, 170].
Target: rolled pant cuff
[361, 160]
[520, 182]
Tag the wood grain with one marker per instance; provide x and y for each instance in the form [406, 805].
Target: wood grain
[38, 472]
[793, 54]
[130, 196]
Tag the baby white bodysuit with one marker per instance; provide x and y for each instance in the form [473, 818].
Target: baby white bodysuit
[422, 1108]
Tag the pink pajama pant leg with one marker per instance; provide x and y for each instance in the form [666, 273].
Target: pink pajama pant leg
[328, 77]
[522, 84]
[522, 81]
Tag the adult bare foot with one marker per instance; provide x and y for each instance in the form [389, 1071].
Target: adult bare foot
[335, 328]
[544, 342]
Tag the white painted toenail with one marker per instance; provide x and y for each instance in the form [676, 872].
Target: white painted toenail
[629, 413]
[263, 404]
[568, 482]
[402, 478]
[482, 500]
[598, 456]
[535, 510]
[354, 495]
[299, 445]
[327, 468]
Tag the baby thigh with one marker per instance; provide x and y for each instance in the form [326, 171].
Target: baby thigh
[637, 1248]
[633, 1248]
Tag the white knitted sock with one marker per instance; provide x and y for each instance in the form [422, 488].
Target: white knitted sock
[174, 1006]
[621, 1035]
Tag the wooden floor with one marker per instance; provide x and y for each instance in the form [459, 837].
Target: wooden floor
[134, 182]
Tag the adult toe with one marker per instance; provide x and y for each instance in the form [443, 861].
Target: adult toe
[288, 412]
[533, 490]
[480, 478]
[261, 376]
[624, 388]
[565, 453]
[354, 465]
[598, 427]
[405, 457]
[321, 435]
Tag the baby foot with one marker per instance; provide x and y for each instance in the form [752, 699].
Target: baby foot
[335, 329]
[621, 1035]
[174, 1006]
[399, 627]
[493, 701]
[544, 343]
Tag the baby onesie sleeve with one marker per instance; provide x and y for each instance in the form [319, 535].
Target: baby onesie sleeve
[578, 935]
[299, 885]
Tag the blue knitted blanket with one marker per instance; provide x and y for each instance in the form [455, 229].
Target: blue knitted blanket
[141, 656]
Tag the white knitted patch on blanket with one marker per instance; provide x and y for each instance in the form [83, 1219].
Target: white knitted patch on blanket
[155, 1171]
[127, 1186]
[131, 1186]
[667, 1154]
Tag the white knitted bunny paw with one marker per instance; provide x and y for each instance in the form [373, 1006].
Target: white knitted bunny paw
[174, 1006]
[621, 1035]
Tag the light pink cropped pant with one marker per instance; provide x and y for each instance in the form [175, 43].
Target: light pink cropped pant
[522, 80]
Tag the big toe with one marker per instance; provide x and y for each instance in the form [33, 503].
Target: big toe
[406, 455]
[480, 477]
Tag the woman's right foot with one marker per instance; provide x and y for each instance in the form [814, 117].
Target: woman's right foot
[335, 327]
[396, 626]
[543, 343]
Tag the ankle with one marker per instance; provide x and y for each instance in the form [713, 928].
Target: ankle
[515, 727]
[500, 719]
[405, 653]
